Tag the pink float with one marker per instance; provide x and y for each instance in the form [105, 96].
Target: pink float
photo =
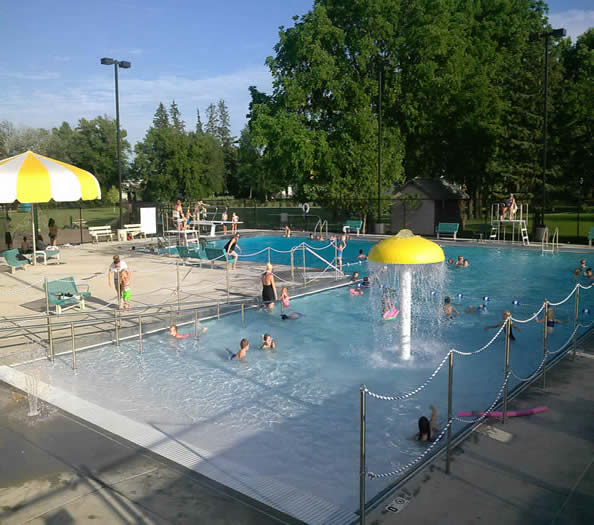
[354, 291]
[391, 314]
[510, 413]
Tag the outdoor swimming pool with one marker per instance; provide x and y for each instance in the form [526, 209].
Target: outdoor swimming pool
[284, 427]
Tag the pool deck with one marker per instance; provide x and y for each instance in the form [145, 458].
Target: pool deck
[56, 469]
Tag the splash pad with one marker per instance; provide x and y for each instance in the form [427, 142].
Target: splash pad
[398, 261]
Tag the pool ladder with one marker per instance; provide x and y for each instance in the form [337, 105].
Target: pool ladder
[322, 224]
[550, 247]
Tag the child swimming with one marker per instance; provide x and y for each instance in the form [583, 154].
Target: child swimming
[244, 346]
[173, 333]
[550, 320]
[293, 316]
[506, 314]
[285, 297]
[480, 309]
[427, 428]
[267, 342]
[449, 309]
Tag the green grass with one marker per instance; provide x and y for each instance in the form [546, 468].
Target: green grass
[64, 217]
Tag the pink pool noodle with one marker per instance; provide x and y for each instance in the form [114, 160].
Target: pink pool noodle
[510, 413]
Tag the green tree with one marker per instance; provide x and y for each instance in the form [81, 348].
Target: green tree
[212, 122]
[175, 118]
[199, 128]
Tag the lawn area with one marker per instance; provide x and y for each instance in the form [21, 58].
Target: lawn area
[566, 222]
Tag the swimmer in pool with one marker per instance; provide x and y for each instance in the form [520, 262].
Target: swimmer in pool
[460, 261]
[449, 309]
[293, 316]
[428, 428]
[480, 309]
[506, 314]
[450, 261]
[465, 264]
[267, 343]
[551, 321]
[365, 283]
[244, 346]
[284, 298]
[174, 333]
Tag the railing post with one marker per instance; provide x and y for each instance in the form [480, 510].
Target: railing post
[362, 465]
[292, 264]
[73, 346]
[575, 319]
[218, 310]
[195, 323]
[117, 329]
[177, 273]
[508, 328]
[170, 316]
[140, 334]
[117, 287]
[545, 331]
[269, 255]
[242, 315]
[450, 383]
[335, 262]
[50, 337]
[47, 312]
[227, 276]
[304, 276]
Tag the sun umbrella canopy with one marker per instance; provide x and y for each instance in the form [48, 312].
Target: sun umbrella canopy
[30, 177]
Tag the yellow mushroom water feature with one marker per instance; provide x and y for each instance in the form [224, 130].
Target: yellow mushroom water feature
[406, 251]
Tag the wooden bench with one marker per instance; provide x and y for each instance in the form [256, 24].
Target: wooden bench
[591, 236]
[100, 231]
[449, 228]
[14, 261]
[64, 294]
[352, 225]
[215, 254]
[134, 230]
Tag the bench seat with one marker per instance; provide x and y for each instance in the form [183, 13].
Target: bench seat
[447, 228]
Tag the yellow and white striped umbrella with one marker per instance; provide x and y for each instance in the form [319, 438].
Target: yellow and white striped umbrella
[30, 177]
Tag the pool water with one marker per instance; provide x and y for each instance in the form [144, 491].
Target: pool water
[255, 249]
[292, 416]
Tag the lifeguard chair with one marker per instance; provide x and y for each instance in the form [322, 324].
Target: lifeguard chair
[516, 217]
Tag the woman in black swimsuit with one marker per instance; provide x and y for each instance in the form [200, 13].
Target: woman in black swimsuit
[268, 288]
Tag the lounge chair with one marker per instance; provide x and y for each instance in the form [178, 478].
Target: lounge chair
[64, 294]
[15, 260]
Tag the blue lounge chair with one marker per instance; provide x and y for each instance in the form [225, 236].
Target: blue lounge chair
[15, 260]
[64, 294]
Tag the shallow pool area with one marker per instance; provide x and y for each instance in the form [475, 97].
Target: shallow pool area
[283, 427]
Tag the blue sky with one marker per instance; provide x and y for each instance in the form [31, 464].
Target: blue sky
[192, 51]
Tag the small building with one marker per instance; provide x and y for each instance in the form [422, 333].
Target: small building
[421, 204]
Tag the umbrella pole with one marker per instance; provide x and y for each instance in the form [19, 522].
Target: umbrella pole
[33, 230]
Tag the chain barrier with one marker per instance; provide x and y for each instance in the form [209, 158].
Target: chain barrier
[490, 409]
[501, 328]
[412, 392]
[373, 475]
[564, 345]
[532, 317]
[585, 287]
[535, 373]
[566, 299]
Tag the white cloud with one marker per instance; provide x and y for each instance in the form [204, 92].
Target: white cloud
[576, 21]
[44, 107]
[136, 51]
[62, 58]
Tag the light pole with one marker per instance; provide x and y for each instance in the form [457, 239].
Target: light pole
[380, 70]
[124, 65]
[555, 33]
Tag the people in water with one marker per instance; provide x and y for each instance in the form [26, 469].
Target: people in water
[284, 298]
[293, 316]
[465, 264]
[504, 317]
[361, 256]
[588, 274]
[355, 277]
[365, 283]
[287, 231]
[267, 343]
[174, 333]
[244, 346]
[450, 261]
[268, 288]
[480, 309]
[428, 427]
[550, 320]
[460, 261]
[449, 309]
[583, 265]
